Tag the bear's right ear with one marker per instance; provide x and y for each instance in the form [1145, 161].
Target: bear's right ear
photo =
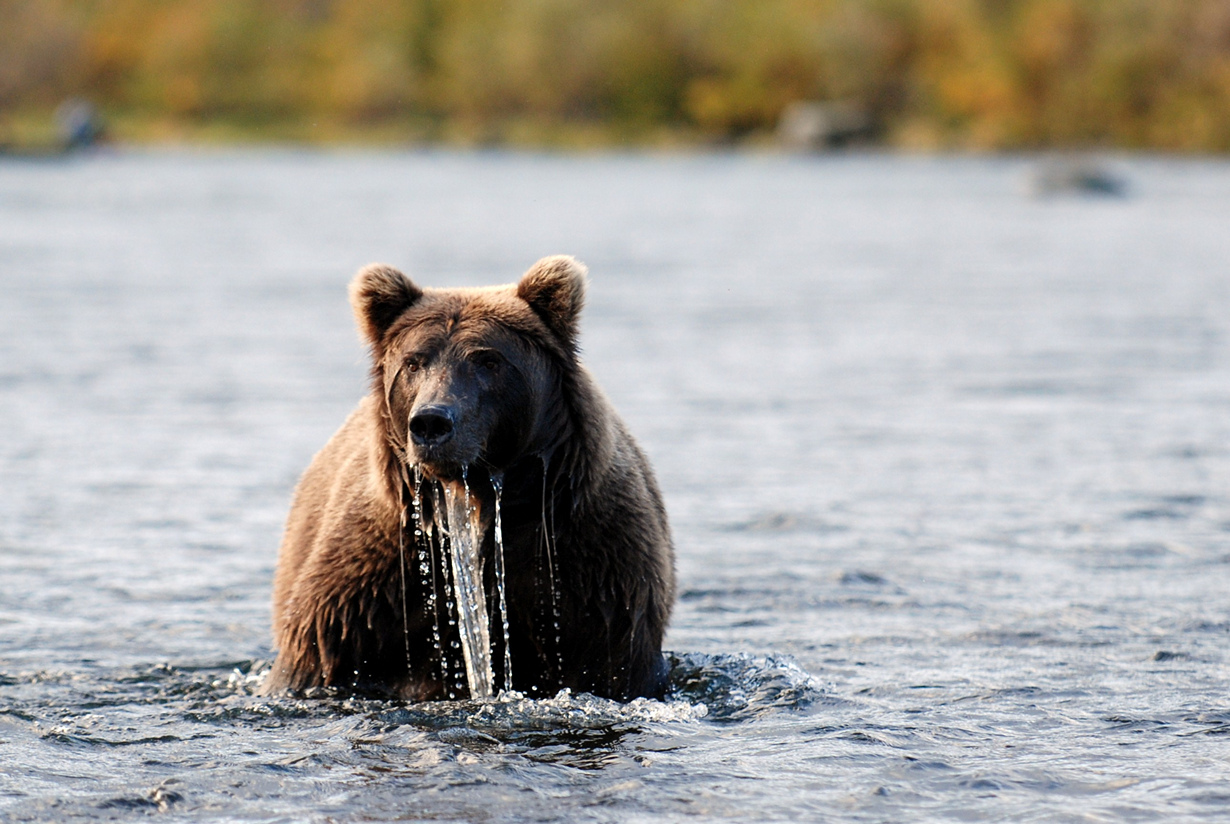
[378, 295]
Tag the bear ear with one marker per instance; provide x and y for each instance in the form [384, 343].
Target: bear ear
[378, 295]
[554, 287]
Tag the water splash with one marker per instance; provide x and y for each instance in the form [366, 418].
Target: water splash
[465, 541]
[739, 686]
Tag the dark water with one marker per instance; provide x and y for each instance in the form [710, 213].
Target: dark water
[948, 468]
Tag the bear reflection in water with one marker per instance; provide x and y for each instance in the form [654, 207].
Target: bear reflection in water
[477, 396]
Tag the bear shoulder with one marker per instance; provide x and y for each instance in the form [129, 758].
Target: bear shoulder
[342, 484]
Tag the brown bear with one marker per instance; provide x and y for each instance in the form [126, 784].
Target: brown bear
[478, 395]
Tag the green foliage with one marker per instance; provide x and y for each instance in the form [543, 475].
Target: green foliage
[942, 73]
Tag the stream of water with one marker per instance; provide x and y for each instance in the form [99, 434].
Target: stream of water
[465, 541]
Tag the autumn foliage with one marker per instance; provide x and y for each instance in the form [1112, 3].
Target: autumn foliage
[938, 73]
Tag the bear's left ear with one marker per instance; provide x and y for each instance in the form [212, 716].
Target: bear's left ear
[378, 295]
[554, 287]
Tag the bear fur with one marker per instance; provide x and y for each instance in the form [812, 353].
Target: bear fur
[470, 388]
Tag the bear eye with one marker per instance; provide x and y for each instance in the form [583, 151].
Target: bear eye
[414, 363]
[488, 359]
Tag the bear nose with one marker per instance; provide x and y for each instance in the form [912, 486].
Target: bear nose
[431, 426]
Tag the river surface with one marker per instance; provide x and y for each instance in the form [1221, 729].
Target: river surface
[948, 468]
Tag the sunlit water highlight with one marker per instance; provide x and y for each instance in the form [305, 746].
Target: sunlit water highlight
[947, 468]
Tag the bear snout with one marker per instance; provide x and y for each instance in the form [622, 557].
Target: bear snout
[432, 425]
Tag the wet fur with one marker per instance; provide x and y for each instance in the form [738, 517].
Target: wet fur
[587, 546]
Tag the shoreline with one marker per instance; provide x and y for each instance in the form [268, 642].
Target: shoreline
[32, 133]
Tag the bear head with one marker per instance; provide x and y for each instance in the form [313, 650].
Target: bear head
[471, 377]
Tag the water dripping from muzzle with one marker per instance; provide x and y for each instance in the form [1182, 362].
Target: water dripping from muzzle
[450, 681]
[465, 543]
[401, 558]
[459, 535]
[548, 534]
[427, 566]
[497, 484]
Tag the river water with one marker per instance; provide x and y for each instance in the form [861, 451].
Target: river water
[948, 468]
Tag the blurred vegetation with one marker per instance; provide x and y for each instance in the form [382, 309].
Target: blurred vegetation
[935, 73]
